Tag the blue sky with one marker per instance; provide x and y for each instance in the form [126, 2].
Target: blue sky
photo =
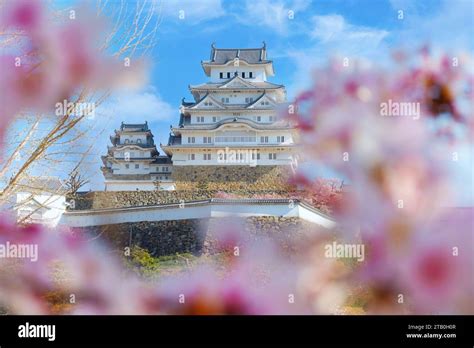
[318, 30]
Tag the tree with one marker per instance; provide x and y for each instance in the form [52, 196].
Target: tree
[40, 141]
[75, 182]
[157, 184]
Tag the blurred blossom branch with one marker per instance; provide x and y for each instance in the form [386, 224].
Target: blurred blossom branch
[418, 250]
[56, 55]
[416, 258]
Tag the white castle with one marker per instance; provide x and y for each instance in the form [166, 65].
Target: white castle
[232, 121]
[134, 163]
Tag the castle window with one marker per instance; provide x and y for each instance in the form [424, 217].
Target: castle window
[272, 156]
[207, 156]
[127, 166]
[280, 139]
[139, 141]
[221, 75]
[206, 140]
[191, 156]
[137, 166]
[250, 74]
[225, 100]
[248, 100]
[264, 139]
[243, 74]
[259, 118]
[127, 141]
[228, 75]
[191, 140]
[142, 154]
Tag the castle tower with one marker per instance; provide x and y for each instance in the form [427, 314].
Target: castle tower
[233, 118]
[133, 162]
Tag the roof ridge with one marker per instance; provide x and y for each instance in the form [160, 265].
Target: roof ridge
[256, 100]
[239, 49]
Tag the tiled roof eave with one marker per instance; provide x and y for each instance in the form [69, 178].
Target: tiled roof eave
[257, 128]
[220, 88]
[230, 109]
[261, 62]
[234, 121]
[229, 145]
[143, 146]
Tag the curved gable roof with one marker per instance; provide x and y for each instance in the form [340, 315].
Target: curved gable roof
[208, 97]
[250, 55]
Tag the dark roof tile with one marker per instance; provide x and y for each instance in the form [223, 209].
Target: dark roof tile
[250, 55]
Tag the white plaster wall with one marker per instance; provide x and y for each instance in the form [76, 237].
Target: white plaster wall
[190, 211]
[283, 157]
[120, 168]
[258, 72]
[244, 131]
[129, 185]
[236, 97]
[225, 115]
[132, 138]
[132, 153]
[158, 168]
[56, 205]
[308, 215]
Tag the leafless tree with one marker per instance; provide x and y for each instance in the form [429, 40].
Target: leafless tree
[75, 182]
[48, 145]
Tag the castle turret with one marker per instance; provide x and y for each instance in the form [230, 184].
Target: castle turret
[133, 161]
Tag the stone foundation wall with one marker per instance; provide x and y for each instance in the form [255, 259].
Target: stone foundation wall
[196, 183]
[289, 234]
[201, 236]
[231, 178]
[159, 238]
[118, 199]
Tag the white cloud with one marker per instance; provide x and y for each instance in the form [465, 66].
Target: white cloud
[273, 14]
[330, 36]
[129, 107]
[448, 25]
[136, 107]
[192, 11]
[333, 29]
